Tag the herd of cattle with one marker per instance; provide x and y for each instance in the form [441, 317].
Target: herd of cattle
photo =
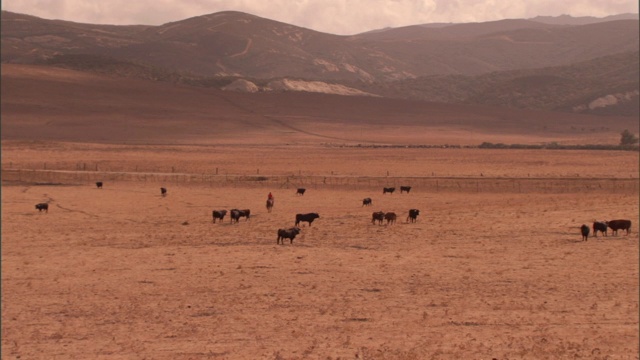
[602, 226]
[290, 233]
[377, 217]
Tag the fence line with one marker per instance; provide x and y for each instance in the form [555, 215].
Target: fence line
[431, 184]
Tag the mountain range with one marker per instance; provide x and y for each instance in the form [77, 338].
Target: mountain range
[579, 65]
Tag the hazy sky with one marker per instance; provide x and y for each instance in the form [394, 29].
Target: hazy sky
[344, 17]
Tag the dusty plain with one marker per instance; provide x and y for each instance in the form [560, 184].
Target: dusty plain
[123, 273]
[494, 267]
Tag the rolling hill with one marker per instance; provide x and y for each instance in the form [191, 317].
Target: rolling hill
[43, 103]
[588, 65]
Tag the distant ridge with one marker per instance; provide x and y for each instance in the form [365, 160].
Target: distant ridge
[581, 20]
[216, 50]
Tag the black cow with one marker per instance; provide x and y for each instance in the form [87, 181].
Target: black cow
[616, 225]
[377, 216]
[366, 202]
[42, 206]
[306, 218]
[269, 204]
[99, 184]
[237, 214]
[289, 233]
[599, 226]
[301, 191]
[219, 214]
[390, 217]
[413, 214]
[585, 232]
[163, 191]
[405, 188]
[388, 190]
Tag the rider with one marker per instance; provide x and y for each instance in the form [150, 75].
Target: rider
[270, 197]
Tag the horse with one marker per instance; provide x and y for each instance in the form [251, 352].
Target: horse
[269, 204]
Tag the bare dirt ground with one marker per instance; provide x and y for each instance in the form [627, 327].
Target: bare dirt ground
[124, 273]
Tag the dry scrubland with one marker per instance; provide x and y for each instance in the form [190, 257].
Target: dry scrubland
[123, 273]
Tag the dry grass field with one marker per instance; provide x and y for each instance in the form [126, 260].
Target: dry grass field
[485, 273]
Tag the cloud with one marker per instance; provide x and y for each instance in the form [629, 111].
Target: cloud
[331, 16]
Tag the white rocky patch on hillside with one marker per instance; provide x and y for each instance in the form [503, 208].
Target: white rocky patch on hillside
[242, 85]
[608, 100]
[314, 86]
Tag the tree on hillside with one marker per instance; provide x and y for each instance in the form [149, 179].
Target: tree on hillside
[627, 138]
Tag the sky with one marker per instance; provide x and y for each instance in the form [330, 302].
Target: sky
[341, 17]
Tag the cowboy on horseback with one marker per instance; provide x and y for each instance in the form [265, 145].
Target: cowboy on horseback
[270, 202]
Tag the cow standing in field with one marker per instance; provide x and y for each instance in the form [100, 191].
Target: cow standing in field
[218, 214]
[42, 206]
[306, 218]
[377, 216]
[600, 226]
[390, 217]
[237, 214]
[287, 234]
[405, 188]
[584, 229]
[388, 190]
[163, 191]
[413, 214]
[300, 191]
[616, 225]
[366, 202]
[99, 184]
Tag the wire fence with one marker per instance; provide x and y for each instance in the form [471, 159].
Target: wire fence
[430, 184]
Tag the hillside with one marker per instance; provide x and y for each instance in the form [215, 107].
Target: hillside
[606, 85]
[234, 43]
[48, 103]
[491, 63]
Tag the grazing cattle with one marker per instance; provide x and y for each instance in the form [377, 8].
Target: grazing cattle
[405, 188]
[616, 225]
[377, 216]
[269, 204]
[306, 218]
[599, 226]
[42, 206]
[390, 217]
[301, 191]
[585, 232]
[219, 214]
[163, 191]
[366, 202]
[287, 234]
[99, 184]
[237, 214]
[388, 190]
[413, 214]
